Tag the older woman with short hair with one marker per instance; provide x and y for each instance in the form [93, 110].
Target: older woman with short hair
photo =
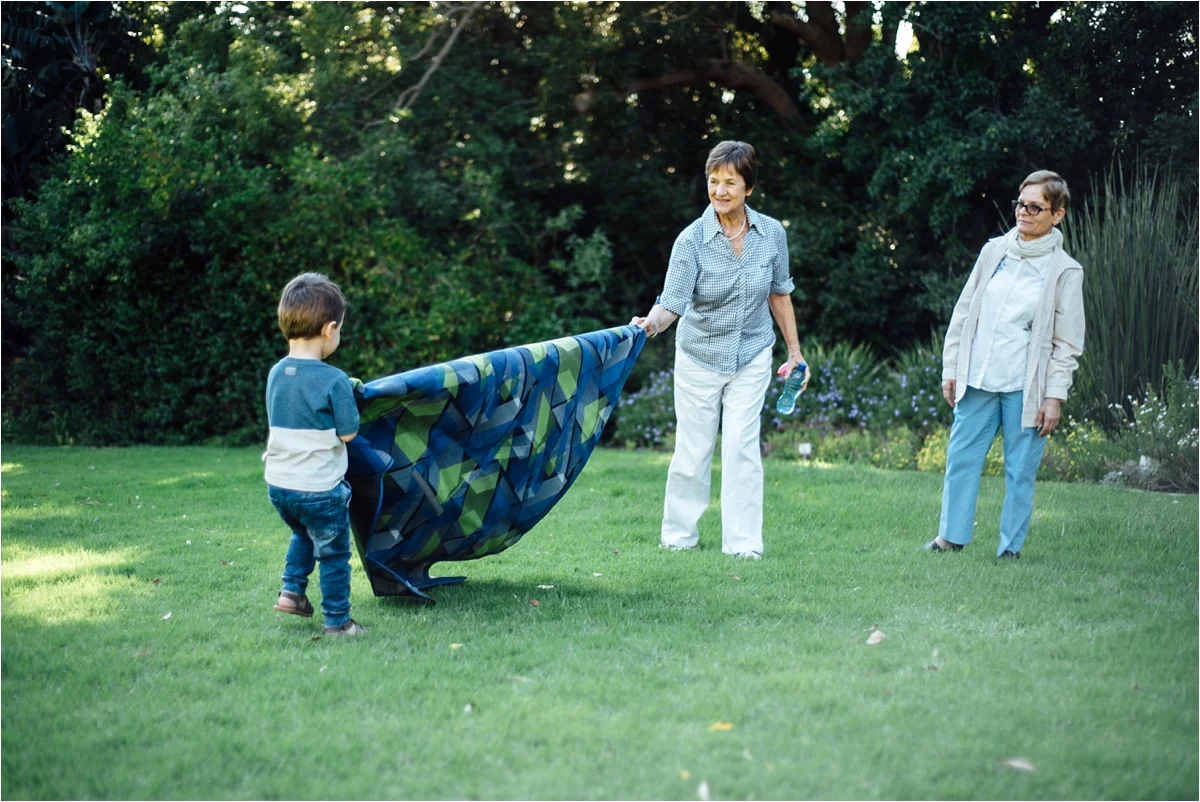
[727, 278]
[1009, 360]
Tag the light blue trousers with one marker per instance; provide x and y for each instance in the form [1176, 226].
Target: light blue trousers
[977, 419]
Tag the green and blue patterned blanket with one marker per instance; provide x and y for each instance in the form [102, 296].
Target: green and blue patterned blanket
[459, 460]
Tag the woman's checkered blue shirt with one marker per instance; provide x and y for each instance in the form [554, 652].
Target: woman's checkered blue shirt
[725, 320]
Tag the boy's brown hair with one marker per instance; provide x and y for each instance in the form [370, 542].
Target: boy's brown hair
[308, 302]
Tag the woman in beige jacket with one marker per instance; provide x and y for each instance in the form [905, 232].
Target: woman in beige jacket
[1010, 356]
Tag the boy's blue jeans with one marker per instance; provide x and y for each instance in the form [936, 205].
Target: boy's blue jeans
[320, 524]
[977, 419]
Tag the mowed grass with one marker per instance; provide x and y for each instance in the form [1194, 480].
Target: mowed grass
[639, 674]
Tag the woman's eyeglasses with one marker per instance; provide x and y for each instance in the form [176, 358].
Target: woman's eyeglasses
[1031, 209]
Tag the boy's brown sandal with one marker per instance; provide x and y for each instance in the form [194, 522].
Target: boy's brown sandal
[351, 627]
[294, 604]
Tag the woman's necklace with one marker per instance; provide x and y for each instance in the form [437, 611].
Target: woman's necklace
[742, 230]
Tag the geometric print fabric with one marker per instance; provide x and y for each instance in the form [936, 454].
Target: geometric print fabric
[459, 460]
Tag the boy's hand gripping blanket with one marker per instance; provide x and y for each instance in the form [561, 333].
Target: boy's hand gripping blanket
[459, 460]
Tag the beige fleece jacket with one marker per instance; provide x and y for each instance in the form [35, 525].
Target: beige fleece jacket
[1057, 338]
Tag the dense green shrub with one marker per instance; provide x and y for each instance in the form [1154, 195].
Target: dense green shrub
[646, 418]
[1080, 450]
[851, 388]
[894, 449]
[1159, 440]
[148, 268]
[843, 377]
[932, 456]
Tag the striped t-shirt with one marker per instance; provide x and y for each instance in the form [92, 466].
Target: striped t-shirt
[310, 405]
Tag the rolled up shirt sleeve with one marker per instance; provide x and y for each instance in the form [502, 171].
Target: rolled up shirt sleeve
[682, 272]
[781, 282]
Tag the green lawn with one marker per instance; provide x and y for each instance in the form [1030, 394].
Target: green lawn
[641, 673]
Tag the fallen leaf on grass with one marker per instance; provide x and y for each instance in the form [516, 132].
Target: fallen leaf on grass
[166, 617]
[535, 602]
[1019, 763]
[224, 563]
[316, 637]
[702, 791]
[154, 581]
[454, 646]
[684, 774]
[876, 637]
[734, 576]
[933, 668]
[616, 551]
[721, 726]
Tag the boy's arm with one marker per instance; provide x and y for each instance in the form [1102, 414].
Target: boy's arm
[345, 410]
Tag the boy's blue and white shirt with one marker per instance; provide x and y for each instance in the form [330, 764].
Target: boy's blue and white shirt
[310, 405]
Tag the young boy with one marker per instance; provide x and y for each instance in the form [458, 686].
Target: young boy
[312, 415]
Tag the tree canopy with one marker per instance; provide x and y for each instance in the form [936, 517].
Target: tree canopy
[489, 173]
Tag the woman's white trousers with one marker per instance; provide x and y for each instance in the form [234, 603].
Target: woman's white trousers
[703, 398]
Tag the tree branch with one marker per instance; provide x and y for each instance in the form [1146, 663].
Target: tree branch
[858, 30]
[409, 96]
[820, 33]
[733, 74]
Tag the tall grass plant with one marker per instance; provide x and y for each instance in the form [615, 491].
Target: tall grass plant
[1137, 242]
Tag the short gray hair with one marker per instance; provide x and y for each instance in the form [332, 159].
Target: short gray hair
[739, 156]
[1053, 184]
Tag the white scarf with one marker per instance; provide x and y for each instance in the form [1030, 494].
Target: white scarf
[1031, 249]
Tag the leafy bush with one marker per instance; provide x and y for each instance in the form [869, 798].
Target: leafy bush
[148, 267]
[646, 418]
[895, 449]
[850, 388]
[842, 378]
[913, 396]
[1080, 451]
[1160, 439]
[932, 456]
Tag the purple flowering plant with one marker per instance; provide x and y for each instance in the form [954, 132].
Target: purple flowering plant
[849, 390]
[646, 418]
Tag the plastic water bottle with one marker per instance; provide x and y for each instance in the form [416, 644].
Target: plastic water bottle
[791, 390]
